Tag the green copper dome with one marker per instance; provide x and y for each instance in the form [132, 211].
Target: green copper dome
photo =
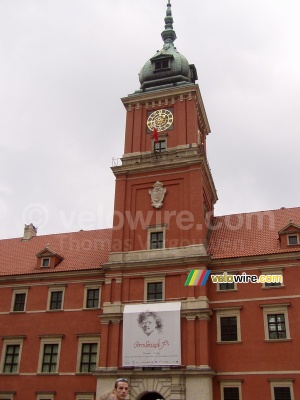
[167, 67]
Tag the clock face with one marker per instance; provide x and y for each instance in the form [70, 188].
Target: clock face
[161, 119]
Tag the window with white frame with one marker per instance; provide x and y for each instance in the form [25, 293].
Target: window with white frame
[156, 237]
[49, 354]
[85, 396]
[92, 296]
[7, 395]
[277, 278]
[231, 390]
[19, 300]
[154, 289]
[224, 286]
[276, 321]
[11, 355]
[56, 298]
[282, 389]
[45, 396]
[228, 324]
[88, 353]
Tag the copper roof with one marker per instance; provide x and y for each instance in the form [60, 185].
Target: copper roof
[251, 234]
[83, 250]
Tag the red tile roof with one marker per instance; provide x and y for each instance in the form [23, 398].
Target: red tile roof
[251, 234]
[84, 250]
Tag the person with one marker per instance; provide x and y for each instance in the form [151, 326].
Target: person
[150, 322]
[121, 389]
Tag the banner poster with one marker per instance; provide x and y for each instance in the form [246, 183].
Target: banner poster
[151, 334]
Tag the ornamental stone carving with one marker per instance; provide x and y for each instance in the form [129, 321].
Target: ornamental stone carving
[157, 194]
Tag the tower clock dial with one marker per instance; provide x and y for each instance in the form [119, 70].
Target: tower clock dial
[161, 119]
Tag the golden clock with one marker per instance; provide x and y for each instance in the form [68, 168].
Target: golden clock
[160, 119]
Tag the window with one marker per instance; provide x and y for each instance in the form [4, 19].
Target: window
[85, 396]
[49, 354]
[11, 355]
[276, 326]
[159, 146]
[45, 396]
[292, 240]
[7, 396]
[277, 277]
[49, 363]
[45, 262]
[154, 291]
[162, 64]
[276, 323]
[92, 294]
[228, 325]
[88, 354]
[19, 302]
[227, 285]
[92, 297]
[156, 240]
[282, 389]
[231, 390]
[11, 360]
[56, 298]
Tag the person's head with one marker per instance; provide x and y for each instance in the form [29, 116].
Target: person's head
[149, 321]
[121, 388]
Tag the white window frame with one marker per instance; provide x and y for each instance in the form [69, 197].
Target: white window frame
[231, 384]
[15, 292]
[84, 340]
[276, 309]
[154, 280]
[8, 395]
[91, 287]
[156, 229]
[85, 396]
[277, 271]
[45, 395]
[228, 312]
[8, 342]
[281, 383]
[56, 289]
[49, 340]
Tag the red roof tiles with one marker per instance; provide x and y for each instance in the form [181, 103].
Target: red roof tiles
[82, 250]
[251, 234]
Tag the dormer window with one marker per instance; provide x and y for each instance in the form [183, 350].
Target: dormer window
[47, 258]
[292, 240]
[289, 236]
[45, 262]
[162, 64]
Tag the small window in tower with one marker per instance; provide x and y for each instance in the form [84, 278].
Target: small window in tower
[156, 240]
[159, 146]
[162, 64]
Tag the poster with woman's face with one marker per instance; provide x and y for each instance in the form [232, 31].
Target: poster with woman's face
[151, 334]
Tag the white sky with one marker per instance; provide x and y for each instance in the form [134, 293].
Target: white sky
[65, 64]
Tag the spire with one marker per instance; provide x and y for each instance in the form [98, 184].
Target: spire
[168, 35]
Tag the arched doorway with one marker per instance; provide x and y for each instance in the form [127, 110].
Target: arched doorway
[152, 396]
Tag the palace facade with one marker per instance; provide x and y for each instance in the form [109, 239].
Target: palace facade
[78, 310]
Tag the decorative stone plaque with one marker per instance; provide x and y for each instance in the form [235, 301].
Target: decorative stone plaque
[157, 194]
